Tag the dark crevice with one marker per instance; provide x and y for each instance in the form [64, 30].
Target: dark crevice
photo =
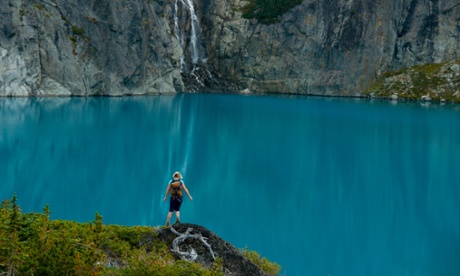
[408, 22]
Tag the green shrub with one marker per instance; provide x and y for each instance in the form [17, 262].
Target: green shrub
[78, 31]
[267, 11]
[11, 253]
[73, 39]
[270, 267]
[32, 244]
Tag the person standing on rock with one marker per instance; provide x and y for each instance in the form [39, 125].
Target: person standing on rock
[175, 187]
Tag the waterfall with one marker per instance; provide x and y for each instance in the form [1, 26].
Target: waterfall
[180, 22]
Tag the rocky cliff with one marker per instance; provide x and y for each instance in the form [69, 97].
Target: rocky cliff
[333, 47]
[59, 47]
[102, 47]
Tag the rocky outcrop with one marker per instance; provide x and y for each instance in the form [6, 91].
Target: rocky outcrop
[431, 82]
[233, 262]
[102, 47]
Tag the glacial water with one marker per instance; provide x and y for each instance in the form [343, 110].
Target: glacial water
[321, 186]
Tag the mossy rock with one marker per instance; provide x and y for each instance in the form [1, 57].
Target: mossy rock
[436, 82]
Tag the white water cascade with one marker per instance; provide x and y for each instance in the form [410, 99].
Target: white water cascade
[180, 31]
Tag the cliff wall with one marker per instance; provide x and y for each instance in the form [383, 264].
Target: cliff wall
[332, 47]
[87, 47]
[102, 47]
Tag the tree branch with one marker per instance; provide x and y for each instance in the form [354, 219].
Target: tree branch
[189, 255]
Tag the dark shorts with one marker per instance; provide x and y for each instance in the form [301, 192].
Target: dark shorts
[174, 204]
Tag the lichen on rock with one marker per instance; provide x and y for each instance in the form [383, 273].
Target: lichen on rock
[233, 261]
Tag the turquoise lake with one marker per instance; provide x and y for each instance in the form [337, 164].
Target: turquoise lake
[321, 186]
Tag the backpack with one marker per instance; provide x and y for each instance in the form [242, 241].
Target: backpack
[176, 188]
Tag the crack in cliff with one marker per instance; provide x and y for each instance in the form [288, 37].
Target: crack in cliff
[317, 40]
[408, 20]
[445, 11]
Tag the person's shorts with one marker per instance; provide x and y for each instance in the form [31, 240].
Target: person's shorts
[174, 204]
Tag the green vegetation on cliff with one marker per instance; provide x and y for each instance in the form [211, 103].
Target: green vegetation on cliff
[268, 11]
[437, 82]
[32, 244]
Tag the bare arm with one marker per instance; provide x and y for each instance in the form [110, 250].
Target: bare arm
[186, 191]
[167, 191]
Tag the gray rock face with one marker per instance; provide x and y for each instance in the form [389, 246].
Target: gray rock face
[102, 47]
[332, 47]
[58, 47]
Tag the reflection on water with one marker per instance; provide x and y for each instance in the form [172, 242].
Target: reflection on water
[345, 187]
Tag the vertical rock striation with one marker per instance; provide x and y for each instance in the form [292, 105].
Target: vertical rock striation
[87, 47]
[331, 47]
[102, 47]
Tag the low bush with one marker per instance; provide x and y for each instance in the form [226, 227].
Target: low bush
[270, 267]
[32, 244]
[267, 11]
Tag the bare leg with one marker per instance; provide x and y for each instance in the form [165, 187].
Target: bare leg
[168, 218]
[177, 217]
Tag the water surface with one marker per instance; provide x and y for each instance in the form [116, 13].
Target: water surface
[321, 186]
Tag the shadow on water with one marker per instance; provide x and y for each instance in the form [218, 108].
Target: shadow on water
[321, 186]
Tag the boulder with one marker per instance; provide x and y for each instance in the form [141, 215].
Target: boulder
[234, 263]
